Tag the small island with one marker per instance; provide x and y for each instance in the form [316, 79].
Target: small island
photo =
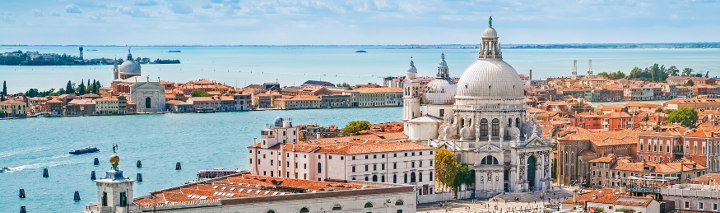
[35, 58]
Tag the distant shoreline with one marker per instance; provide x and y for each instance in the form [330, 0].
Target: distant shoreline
[445, 46]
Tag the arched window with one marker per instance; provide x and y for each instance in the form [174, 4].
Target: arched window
[509, 124]
[304, 210]
[483, 127]
[495, 127]
[405, 177]
[399, 203]
[462, 122]
[337, 207]
[147, 102]
[270, 211]
[412, 177]
[368, 205]
[394, 178]
[374, 178]
[366, 178]
[489, 160]
[517, 122]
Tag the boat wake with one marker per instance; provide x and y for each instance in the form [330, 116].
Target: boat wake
[45, 164]
[22, 151]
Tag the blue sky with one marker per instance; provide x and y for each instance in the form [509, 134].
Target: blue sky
[287, 22]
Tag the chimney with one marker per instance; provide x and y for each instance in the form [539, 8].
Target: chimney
[602, 154]
[254, 140]
[574, 196]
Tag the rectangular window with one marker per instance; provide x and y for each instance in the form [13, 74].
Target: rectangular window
[366, 168]
[353, 168]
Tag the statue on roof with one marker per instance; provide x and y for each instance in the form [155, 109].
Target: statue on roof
[490, 21]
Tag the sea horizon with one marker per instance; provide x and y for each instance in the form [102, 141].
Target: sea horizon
[583, 45]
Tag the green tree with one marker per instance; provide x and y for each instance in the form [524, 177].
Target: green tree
[463, 177]
[69, 88]
[684, 116]
[81, 88]
[200, 93]
[690, 83]
[673, 70]
[353, 127]
[445, 167]
[4, 91]
[32, 92]
[687, 71]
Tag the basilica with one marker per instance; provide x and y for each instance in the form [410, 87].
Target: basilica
[482, 119]
[147, 95]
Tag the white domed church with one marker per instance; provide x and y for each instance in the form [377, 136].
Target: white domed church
[482, 119]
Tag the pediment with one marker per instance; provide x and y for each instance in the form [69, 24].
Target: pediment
[489, 148]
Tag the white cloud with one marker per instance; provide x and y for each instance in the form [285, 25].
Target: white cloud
[71, 8]
[180, 8]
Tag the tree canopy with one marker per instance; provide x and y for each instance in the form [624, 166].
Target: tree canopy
[613, 75]
[463, 177]
[445, 167]
[200, 93]
[684, 116]
[353, 127]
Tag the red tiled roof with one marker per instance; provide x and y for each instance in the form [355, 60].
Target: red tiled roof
[242, 185]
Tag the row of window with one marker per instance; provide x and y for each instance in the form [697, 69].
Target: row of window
[338, 207]
[412, 176]
[382, 166]
[701, 206]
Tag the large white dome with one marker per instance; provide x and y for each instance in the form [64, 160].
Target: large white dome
[439, 91]
[129, 67]
[490, 78]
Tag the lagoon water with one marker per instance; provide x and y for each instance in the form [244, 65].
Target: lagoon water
[198, 141]
[293, 65]
[205, 141]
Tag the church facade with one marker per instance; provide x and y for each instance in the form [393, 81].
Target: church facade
[147, 95]
[482, 119]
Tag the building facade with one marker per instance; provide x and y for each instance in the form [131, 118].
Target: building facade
[279, 153]
[482, 118]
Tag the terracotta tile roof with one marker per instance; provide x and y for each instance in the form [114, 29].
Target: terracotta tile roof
[377, 90]
[707, 179]
[584, 197]
[351, 148]
[642, 105]
[240, 186]
[12, 101]
[81, 102]
[605, 138]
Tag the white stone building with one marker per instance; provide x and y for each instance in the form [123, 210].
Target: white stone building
[693, 197]
[280, 154]
[149, 96]
[250, 193]
[482, 118]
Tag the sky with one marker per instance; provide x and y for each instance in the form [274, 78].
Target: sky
[319, 22]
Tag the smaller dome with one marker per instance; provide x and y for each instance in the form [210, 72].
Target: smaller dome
[411, 68]
[439, 91]
[489, 33]
[278, 121]
[129, 67]
[442, 63]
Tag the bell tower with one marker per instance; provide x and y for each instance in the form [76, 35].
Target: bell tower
[411, 95]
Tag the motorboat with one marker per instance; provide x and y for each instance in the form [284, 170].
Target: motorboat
[84, 150]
